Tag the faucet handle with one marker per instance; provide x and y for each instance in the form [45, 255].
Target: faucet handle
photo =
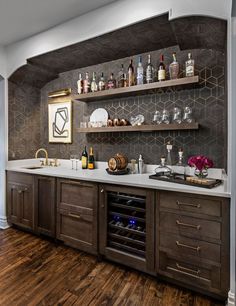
[42, 162]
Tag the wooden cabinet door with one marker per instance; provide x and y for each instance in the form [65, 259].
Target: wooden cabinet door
[77, 214]
[26, 205]
[13, 207]
[45, 212]
[118, 243]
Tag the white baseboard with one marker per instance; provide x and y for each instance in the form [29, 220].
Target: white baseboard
[231, 299]
[3, 223]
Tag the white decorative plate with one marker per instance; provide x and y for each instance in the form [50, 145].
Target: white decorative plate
[99, 115]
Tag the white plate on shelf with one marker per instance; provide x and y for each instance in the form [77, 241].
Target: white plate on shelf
[99, 115]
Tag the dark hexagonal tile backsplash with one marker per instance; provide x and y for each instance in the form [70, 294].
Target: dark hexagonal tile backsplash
[28, 121]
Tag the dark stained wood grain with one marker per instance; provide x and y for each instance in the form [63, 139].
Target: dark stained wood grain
[37, 272]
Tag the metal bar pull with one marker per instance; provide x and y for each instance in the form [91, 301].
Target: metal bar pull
[179, 244]
[197, 272]
[74, 216]
[188, 204]
[198, 227]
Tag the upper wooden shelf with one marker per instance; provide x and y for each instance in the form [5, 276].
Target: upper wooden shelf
[133, 90]
[142, 128]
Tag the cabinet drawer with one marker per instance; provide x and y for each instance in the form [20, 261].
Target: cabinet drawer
[75, 193]
[190, 227]
[197, 275]
[19, 178]
[183, 246]
[191, 203]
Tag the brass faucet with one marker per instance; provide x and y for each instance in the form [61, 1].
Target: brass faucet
[46, 155]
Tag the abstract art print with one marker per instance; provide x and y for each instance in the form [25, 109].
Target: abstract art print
[60, 122]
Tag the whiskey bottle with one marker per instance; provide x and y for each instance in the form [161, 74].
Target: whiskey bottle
[174, 68]
[80, 84]
[149, 71]
[131, 74]
[91, 161]
[121, 77]
[140, 72]
[189, 66]
[84, 159]
[161, 69]
[111, 82]
[101, 83]
[94, 86]
[87, 84]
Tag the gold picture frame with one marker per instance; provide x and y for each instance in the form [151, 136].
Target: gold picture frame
[60, 118]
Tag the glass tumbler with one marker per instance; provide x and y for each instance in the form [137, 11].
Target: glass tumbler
[165, 117]
[188, 117]
[177, 118]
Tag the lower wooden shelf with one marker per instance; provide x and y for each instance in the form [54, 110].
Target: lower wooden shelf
[141, 128]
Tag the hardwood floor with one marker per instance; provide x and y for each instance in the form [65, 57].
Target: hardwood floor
[34, 271]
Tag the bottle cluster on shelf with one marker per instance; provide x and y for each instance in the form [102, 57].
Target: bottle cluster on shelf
[177, 116]
[134, 76]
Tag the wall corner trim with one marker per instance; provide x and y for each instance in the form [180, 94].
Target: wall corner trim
[231, 299]
[3, 223]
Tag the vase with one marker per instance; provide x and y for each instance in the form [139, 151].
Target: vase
[201, 173]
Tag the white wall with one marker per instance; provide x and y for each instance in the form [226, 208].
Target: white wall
[103, 20]
[3, 65]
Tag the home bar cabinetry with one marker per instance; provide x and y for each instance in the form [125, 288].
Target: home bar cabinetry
[181, 237]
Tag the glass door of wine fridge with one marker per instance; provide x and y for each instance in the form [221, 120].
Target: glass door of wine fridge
[127, 226]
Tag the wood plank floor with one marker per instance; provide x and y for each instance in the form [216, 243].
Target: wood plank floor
[34, 271]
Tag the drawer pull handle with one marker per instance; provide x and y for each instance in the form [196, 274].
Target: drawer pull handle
[19, 191]
[197, 249]
[188, 204]
[197, 272]
[74, 216]
[198, 227]
[102, 190]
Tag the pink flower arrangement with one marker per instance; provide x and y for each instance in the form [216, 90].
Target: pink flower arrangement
[200, 162]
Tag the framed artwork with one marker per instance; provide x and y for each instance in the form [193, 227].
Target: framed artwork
[60, 122]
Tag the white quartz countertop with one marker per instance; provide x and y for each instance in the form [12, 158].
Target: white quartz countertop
[100, 175]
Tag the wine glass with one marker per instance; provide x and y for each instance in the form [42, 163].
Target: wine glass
[76, 156]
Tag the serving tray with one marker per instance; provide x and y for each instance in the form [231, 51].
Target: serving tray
[118, 172]
[188, 180]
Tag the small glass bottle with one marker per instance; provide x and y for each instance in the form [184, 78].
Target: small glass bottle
[157, 118]
[169, 149]
[149, 71]
[101, 83]
[161, 69]
[94, 85]
[177, 117]
[87, 84]
[174, 68]
[140, 72]
[121, 77]
[180, 158]
[165, 116]
[131, 74]
[80, 84]
[162, 169]
[189, 66]
[111, 84]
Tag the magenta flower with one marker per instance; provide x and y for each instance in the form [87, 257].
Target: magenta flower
[200, 162]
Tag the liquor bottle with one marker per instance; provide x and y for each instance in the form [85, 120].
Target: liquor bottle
[121, 77]
[87, 84]
[80, 84]
[140, 72]
[111, 82]
[149, 71]
[94, 85]
[174, 68]
[131, 74]
[161, 69]
[101, 83]
[84, 159]
[91, 162]
[189, 66]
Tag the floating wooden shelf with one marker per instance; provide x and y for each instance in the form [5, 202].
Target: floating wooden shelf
[141, 128]
[133, 90]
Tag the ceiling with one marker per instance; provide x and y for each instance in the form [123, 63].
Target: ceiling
[20, 19]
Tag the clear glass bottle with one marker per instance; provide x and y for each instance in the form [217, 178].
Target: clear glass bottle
[140, 72]
[163, 169]
[161, 69]
[131, 74]
[180, 158]
[80, 84]
[94, 85]
[169, 149]
[111, 82]
[177, 117]
[149, 71]
[87, 84]
[174, 68]
[189, 66]
[101, 83]
[188, 117]
[157, 118]
[165, 116]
